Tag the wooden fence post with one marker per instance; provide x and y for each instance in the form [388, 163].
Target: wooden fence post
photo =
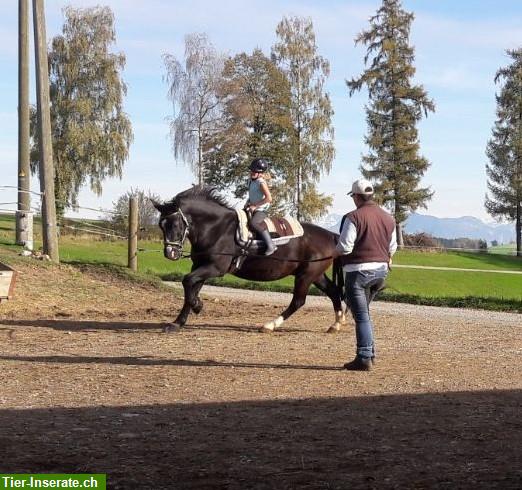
[25, 229]
[24, 171]
[49, 225]
[133, 234]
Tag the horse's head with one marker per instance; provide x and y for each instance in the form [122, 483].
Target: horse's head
[175, 228]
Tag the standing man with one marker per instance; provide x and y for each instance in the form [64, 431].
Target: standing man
[367, 243]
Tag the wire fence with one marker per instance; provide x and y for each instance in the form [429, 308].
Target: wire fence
[80, 226]
[92, 232]
[430, 248]
[12, 188]
[5, 187]
[77, 225]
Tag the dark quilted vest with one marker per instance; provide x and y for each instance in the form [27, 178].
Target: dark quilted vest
[374, 231]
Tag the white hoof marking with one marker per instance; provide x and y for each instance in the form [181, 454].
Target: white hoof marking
[339, 315]
[271, 326]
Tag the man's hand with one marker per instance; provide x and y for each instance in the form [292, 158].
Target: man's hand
[336, 253]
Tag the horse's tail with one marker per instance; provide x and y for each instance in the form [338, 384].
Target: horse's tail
[337, 274]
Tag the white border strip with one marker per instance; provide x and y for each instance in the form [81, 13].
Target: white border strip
[397, 266]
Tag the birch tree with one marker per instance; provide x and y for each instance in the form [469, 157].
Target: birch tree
[193, 89]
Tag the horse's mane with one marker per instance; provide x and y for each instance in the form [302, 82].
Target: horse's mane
[206, 193]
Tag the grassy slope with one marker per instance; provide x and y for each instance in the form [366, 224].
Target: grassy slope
[476, 289]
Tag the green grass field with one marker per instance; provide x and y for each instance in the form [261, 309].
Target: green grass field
[510, 249]
[434, 287]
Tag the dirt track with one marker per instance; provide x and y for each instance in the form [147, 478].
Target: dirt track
[89, 383]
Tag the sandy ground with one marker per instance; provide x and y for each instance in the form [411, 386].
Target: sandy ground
[89, 383]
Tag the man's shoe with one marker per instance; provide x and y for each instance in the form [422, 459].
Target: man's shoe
[359, 364]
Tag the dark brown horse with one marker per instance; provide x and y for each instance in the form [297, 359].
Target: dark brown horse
[203, 217]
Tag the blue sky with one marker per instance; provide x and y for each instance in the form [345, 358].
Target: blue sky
[459, 47]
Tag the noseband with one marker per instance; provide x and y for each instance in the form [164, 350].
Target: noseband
[174, 249]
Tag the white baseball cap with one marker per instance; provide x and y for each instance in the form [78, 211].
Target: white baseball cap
[363, 187]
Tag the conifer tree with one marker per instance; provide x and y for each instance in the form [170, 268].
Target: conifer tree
[395, 107]
[504, 150]
[310, 145]
[91, 133]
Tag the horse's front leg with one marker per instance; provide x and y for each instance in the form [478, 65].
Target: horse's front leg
[192, 284]
[197, 304]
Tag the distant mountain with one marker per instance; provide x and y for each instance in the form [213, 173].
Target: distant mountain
[330, 222]
[463, 227]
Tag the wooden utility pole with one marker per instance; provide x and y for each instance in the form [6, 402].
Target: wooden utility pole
[23, 214]
[49, 228]
[133, 234]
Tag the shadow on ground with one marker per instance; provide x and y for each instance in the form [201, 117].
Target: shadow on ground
[86, 325]
[160, 361]
[446, 440]
[93, 325]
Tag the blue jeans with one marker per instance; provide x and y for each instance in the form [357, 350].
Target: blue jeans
[358, 297]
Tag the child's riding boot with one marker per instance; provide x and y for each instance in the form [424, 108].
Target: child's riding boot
[270, 247]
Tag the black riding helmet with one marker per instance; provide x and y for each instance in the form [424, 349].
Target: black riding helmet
[259, 165]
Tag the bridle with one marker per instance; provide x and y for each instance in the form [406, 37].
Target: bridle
[174, 249]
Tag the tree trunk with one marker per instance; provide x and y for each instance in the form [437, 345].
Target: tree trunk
[299, 193]
[398, 224]
[518, 227]
[400, 238]
[200, 158]
[49, 228]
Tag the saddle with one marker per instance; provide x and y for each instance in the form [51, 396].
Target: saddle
[282, 230]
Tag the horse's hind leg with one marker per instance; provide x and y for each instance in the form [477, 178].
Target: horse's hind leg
[301, 286]
[332, 291]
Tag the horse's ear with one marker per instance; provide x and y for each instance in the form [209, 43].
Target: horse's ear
[160, 207]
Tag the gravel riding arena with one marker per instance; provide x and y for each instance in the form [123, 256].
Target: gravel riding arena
[89, 383]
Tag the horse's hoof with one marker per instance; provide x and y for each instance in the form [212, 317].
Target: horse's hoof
[172, 328]
[197, 307]
[265, 329]
[334, 329]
